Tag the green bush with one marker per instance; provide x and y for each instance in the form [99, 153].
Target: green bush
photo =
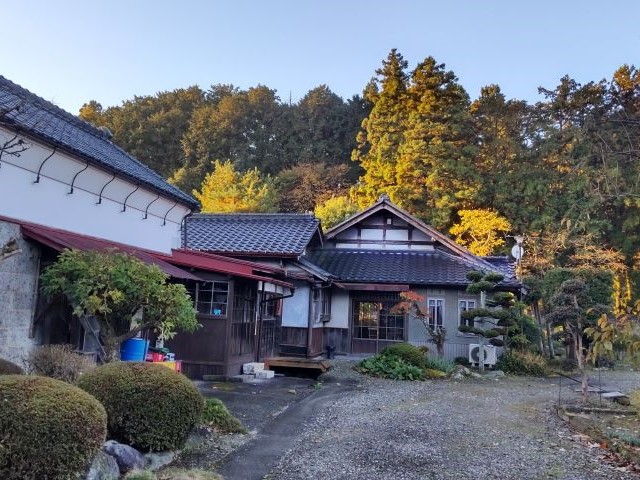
[216, 415]
[464, 361]
[48, 428]
[523, 363]
[148, 406]
[59, 362]
[440, 364]
[9, 368]
[407, 352]
[390, 366]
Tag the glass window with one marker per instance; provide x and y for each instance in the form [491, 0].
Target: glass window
[210, 298]
[377, 321]
[463, 306]
[436, 312]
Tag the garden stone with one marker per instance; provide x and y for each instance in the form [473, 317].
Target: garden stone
[457, 376]
[494, 375]
[103, 467]
[157, 460]
[128, 458]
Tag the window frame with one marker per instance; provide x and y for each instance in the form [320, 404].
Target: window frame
[431, 320]
[461, 321]
[194, 290]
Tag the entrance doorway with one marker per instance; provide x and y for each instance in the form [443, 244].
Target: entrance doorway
[374, 322]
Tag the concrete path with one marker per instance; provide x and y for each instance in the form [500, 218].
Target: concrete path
[256, 458]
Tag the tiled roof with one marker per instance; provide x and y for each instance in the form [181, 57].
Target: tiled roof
[387, 266]
[41, 119]
[504, 264]
[250, 233]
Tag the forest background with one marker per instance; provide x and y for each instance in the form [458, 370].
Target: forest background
[564, 172]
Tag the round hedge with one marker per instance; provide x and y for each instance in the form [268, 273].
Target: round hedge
[409, 353]
[9, 368]
[149, 406]
[48, 428]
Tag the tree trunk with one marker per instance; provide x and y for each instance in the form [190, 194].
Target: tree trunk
[584, 378]
[552, 352]
[535, 307]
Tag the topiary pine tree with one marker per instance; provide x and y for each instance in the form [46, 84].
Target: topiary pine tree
[494, 317]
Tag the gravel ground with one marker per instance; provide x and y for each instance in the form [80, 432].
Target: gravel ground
[483, 429]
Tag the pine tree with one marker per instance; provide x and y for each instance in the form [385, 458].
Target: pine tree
[434, 171]
[382, 131]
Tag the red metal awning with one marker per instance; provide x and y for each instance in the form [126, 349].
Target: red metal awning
[232, 266]
[169, 263]
[61, 239]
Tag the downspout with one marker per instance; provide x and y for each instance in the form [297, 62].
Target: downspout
[183, 223]
[260, 316]
[309, 320]
[258, 330]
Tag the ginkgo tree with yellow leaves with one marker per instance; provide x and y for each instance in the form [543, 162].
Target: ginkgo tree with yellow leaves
[226, 190]
[482, 231]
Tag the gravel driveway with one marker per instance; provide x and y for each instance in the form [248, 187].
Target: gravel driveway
[479, 429]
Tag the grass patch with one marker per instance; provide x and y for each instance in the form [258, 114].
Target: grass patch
[216, 415]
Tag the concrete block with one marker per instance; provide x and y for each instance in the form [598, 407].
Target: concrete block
[265, 374]
[252, 367]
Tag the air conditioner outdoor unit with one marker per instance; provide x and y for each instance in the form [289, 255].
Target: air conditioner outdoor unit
[490, 357]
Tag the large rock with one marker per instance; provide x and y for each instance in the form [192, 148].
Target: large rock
[103, 467]
[128, 458]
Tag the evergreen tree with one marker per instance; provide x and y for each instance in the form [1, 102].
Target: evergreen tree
[382, 131]
[434, 170]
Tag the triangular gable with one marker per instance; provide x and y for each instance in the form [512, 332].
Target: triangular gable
[385, 204]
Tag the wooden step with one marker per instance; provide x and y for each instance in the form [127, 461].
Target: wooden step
[293, 362]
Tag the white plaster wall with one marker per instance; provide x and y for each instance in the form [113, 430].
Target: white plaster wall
[18, 276]
[49, 203]
[295, 310]
[339, 309]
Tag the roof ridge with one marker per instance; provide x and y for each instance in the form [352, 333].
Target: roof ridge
[36, 105]
[253, 214]
[53, 108]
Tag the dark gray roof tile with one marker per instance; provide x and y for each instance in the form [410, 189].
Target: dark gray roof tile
[251, 233]
[398, 267]
[43, 120]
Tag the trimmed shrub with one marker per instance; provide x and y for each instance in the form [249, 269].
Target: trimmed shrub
[215, 414]
[523, 363]
[440, 364]
[390, 366]
[49, 429]
[149, 406]
[59, 362]
[9, 368]
[407, 352]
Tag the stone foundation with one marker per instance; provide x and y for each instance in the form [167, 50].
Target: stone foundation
[18, 276]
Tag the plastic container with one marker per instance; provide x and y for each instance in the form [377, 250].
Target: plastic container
[134, 350]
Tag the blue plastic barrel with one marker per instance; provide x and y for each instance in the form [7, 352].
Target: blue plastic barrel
[134, 350]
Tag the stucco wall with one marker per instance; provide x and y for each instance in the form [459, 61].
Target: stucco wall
[48, 202]
[339, 309]
[456, 342]
[18, 275]
[295, 312]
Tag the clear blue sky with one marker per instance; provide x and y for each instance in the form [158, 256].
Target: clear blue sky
[72, 51]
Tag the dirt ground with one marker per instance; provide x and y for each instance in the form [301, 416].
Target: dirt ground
[355, 427]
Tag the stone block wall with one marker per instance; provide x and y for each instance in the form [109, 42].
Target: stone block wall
[18, 280]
